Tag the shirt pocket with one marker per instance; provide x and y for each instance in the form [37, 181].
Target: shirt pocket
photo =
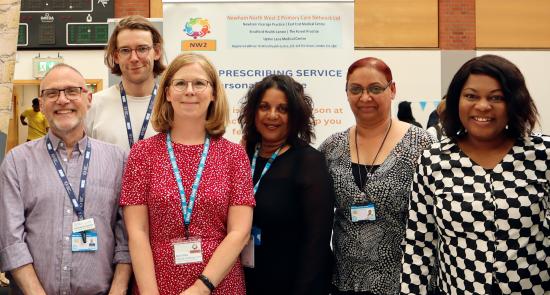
[461, 214]
[532, 198]
[528, 201]
[101, 201]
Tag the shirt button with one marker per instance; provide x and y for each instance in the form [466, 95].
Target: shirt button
[65, 268]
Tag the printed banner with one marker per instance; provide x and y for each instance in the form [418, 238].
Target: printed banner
[312, 41]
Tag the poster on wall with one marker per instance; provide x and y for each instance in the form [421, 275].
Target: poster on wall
[312, 41]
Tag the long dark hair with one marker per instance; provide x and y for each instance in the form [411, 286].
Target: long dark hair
[300, 111]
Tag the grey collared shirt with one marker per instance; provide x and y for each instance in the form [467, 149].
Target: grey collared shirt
[36, 215]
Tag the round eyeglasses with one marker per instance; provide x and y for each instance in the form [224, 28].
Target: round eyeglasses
[141, 51]
[181, 85]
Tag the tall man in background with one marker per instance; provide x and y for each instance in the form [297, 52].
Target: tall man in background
[120, 114]
[37, 123]
[61, 230]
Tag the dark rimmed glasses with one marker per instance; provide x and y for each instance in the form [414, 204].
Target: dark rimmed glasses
[375, 89]
[52, 94]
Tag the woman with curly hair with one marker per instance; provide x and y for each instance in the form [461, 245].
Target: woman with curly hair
[294, 200]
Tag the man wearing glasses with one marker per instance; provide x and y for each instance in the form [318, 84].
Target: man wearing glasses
[61, 229]
[120, 114]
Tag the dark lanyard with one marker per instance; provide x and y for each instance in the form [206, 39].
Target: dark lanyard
[369, 172]
[266, 167]
[129, 129]
[78, 204]
[186, 208]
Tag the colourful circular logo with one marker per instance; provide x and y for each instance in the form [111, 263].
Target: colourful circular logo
[197, 27]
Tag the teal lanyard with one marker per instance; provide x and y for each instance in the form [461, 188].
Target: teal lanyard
[267, 165]
[187, 208]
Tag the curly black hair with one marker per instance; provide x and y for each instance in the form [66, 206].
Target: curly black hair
[522, 111]
[300, 111]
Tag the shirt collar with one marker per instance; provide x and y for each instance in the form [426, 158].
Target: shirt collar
[448, 145]
[58, 143]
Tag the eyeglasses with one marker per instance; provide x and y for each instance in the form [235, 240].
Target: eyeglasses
[357, 90]
[181, 85]
[141, 51]
[71, 93]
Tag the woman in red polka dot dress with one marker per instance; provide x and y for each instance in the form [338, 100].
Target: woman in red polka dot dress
[187, 192]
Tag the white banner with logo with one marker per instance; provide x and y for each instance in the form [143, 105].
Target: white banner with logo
[312, 41]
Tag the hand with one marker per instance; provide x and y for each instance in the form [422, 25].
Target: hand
[198, 288]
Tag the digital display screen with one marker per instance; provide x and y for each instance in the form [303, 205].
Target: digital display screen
[23, 36]
[87, 33]
[46, 34]
[56, 5]
[64, 24]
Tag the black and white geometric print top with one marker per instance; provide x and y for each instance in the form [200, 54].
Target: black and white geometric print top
[368, 254]
[486, 227]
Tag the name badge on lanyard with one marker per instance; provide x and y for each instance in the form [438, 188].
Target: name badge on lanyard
[127, 120]
[363, 212]
[82, 226]
[247, 255]
[189, 249]
[78, 245]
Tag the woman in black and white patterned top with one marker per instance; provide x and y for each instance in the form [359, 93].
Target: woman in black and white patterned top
[372, 165]
[480, 200]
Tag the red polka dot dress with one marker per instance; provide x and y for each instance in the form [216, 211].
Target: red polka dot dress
[226, 181]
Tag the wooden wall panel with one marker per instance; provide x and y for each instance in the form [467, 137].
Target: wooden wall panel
[512, 24]
[396, 23]
[156, 8]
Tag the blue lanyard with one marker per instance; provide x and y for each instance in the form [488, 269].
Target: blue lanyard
[78, 204]
[186, 208]
[129, 129]
[266, 167]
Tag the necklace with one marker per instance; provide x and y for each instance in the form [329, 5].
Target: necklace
[369, 171]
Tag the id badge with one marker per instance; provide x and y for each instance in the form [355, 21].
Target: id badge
[257, 235]
[83, 225]
[77, 245]
[363, 212]
[247, 255]
[187, 250]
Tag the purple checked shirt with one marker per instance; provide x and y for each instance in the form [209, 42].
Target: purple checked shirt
[36, 215]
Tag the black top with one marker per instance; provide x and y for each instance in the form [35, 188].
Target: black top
[294, 211]
[361, 173]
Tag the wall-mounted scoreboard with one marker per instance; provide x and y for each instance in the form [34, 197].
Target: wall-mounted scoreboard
[64, 24]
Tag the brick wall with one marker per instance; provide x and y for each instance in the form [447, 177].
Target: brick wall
[457, 24]
[129, 7]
